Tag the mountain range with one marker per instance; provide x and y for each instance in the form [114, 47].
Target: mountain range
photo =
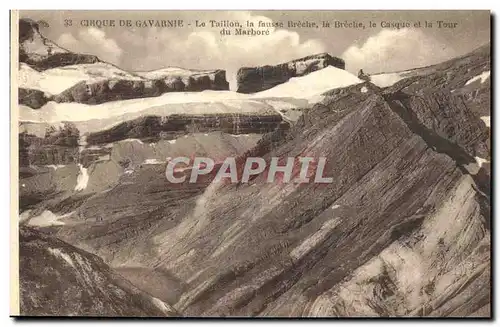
[403, 231]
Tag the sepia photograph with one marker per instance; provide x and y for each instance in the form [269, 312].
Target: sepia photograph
[251, 164]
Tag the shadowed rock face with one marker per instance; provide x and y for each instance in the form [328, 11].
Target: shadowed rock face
[458, 76]
[63, 148]
[57, 147]
[57, 279]
[153, 128]
[404, 229]
[33, 98]
[27, 29]
[255, 79]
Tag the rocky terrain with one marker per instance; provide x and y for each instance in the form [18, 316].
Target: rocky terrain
[256, 79]
[94, 81]
[153, 128]
[404, 229]
[41, 53]
[57, 279]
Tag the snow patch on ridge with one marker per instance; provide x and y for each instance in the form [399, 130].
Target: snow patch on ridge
[483, 77]
[153, 162]
[45, 219]
[55, 167]
[385, 80]
[311, 84]
[480, 161]
[312, 241]
[297, 92]
[62, 255]
[161, 305]
[59, 79]
[486, 120]
[131, 140]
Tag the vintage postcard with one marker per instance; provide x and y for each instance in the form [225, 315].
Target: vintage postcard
[251, 164]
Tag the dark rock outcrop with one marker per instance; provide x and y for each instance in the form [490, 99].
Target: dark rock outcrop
[153, 128]
[41, 53]
[115, 90]
[255, 79]
[58, 147]
[61, 59]
[57, 279]
[34, 99]
[210, 80]
[27, 29]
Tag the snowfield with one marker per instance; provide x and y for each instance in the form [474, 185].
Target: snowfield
[57, 80]
[311, 84]
[89, 118]
[480, 161]
[483, 77]
[388, 79]
[296, 93]
[486, 120]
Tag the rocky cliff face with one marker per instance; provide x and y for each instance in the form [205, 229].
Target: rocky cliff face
[57, 279]
[255, 79]
[154, 128]
[115, 90]
[66, 148]
[57, 147]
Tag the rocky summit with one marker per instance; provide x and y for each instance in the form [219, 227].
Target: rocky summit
[255, 79]
[49, 72]
[42, 53]
[404, 230]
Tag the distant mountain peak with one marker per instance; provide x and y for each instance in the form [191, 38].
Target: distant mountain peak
[42, 53]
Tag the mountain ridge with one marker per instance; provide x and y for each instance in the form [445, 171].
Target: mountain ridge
[404, 229]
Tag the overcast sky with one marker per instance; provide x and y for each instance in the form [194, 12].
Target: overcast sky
[373, 49]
